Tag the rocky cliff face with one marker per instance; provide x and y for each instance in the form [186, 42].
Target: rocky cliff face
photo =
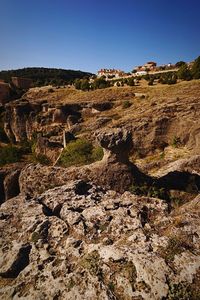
[79, 241]
[156, 122]
[4, 92]
[23, 119]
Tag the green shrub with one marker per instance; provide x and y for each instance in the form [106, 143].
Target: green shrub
[26, 146]
[10, 154]
[184, 73]
[131, 81]
[149, 191]
[196, 68]
[41, 158]
[151, 81]
[126, 104]
[176, 142]
[97, 153]
[79, 152]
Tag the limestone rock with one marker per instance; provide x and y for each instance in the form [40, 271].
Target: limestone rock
[79, 241]
[35, 179]
[116, 142]
[9, 181]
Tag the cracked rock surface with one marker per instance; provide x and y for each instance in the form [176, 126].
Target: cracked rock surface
[79, 241]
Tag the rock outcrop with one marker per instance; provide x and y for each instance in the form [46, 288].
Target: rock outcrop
[115, 164]
[5, 91]
[114, 171]
[79, 241]
[9, 181]
[23, 119]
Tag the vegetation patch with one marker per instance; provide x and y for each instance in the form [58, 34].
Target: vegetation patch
[126, 104]
[35, 237]
[176, 142]
[91, 262]
[10, 154]
[123, 268]
[80, 152]
[71, 284]
[176, 245]
[41, 158]
[149, 191]
[183, 291]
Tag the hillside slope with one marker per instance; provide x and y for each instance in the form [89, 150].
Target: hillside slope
[41, 76]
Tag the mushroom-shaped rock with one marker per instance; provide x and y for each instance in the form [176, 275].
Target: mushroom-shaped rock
[116, 144]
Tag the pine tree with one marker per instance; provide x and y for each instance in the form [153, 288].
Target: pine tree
[196, 69]
[184, 73]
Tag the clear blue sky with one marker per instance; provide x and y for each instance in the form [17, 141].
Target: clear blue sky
[90, 34]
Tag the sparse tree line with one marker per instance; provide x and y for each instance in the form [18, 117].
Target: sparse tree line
[184, 73]
[101, 83]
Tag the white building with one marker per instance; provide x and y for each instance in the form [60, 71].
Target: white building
[141, 73]
[110, 73]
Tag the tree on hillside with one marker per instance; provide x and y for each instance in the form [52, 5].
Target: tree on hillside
[77, 84]
[196, 69]
[184, 73]
[85, 85]
[100, 83]
[180, 63]
[131, 81]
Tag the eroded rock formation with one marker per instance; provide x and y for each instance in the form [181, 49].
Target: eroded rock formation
[114, 165]
[9, 181]
[23, 119]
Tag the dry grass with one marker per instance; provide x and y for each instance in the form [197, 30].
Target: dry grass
[156, 93]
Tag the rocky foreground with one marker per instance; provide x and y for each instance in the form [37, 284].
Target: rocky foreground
[79, 241]
[65, 237]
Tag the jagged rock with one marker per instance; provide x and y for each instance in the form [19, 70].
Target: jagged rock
[116, 143]
[9, 181]
[83, 242]
[183, 174]
[191, 165]
[24, 118]
[11, 184]
[51, 150]
[72, 120]
[5, 92]
[15, 120]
